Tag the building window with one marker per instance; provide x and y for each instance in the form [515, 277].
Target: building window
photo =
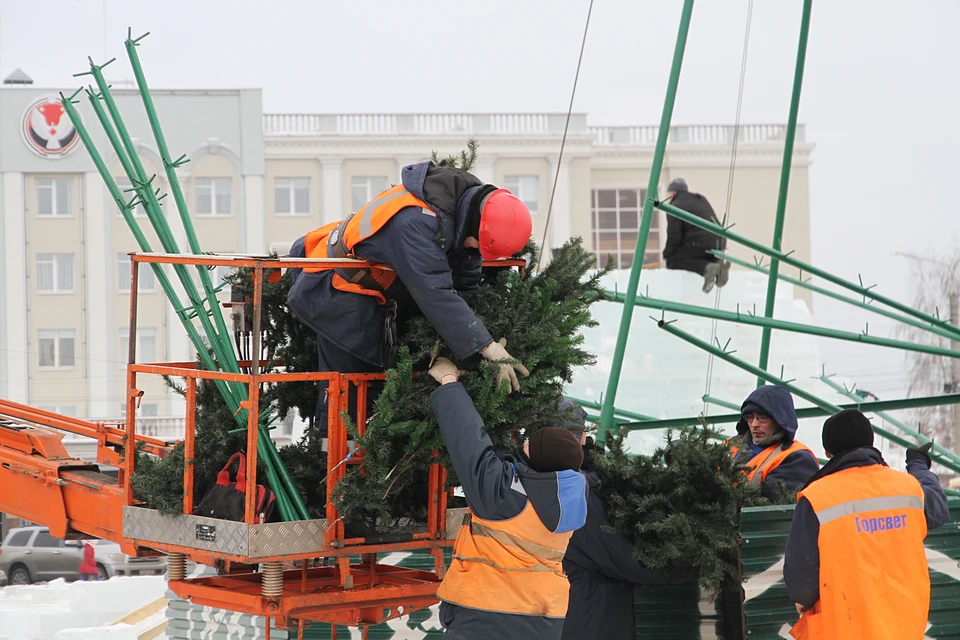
[124, 184]
[69, 410]
[54, 273]
[146, 279]
[291, 196]
[213, 196]
[56, 348]
[53, 197]
[146, 345]
[616, 225]
[527, 188]
[364, 188]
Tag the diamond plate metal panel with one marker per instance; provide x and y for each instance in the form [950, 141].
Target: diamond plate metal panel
[148, 525]
[454, 520]
[282, 538]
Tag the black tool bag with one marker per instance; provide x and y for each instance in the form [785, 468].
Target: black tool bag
[226, 500]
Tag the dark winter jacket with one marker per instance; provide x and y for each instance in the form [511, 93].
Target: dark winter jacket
[497, 486]
[801, 567]
[603, 572]
[685, 241]
[799, 466]
[427, 253]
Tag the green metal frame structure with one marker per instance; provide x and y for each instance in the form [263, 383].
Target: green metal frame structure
[611, 417]
[217, 353]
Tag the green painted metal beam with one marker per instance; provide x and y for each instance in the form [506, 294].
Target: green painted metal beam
[913, 433]
[803, 413]
[640, 250]
[787, 258]
[842, 298]
[721, 403]
[785, 168]
[828, 407]
[783, 325]
[596, 406]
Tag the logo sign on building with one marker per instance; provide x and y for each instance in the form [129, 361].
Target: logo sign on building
[47, 129]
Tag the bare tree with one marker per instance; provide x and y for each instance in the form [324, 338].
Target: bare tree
[936, 285]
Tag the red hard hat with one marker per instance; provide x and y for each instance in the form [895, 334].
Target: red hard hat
[505, 225]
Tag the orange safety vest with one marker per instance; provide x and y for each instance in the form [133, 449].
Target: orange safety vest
[874, 580]
[337, 240]
[768, 460]
[509, 566]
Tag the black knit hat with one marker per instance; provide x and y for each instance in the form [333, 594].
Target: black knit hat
[555, 449]
[846, 431]
[678, 185]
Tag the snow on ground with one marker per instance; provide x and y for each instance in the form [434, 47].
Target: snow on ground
[665, 377]
[46, 612]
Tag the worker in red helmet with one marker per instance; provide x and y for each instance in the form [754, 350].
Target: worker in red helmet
[433, 231]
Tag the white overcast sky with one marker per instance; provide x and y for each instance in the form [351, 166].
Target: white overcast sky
[881, 92]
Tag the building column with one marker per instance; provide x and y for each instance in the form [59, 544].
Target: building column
[331, 190]
[256, 220]
[97, 287]
[561, 223]
[15, 290]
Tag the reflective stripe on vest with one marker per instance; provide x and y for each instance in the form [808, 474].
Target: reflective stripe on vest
[338, 239]
[874, 580]
[511, 566]
[769, 459]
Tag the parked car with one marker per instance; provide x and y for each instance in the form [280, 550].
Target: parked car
[31, 554]
[112, 562]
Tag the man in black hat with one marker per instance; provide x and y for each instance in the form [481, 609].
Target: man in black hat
[687, 244]
[855, 563]
[506, 579]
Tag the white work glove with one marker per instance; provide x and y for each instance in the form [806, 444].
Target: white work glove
[497, 352]
[442, 368]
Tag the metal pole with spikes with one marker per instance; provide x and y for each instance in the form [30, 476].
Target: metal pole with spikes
[785, 169]
[913, 433]
[822, 404]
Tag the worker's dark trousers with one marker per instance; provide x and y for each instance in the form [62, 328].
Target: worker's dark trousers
[331, 358]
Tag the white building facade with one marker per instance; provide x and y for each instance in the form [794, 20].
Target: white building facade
[256, 182]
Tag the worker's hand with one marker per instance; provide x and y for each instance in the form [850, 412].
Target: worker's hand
[444, 371]
[497, 352]
[920, 453]
[800, 608]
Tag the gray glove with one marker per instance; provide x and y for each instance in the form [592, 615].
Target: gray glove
[443, 367]
[497, 352]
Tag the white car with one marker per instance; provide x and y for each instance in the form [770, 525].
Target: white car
[111, 562]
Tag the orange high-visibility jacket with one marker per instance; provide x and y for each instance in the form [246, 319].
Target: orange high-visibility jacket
[769, 459]
[509, 566]
[337, 240]
[874, 581]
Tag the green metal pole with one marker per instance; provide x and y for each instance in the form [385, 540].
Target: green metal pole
[721, 403]
[596, 406]
[783, 325]
[837, 296]
[785, 182]
[639, 252]
[805, 412]
[787, 258]
[142, 241]
[795, 390]
[913, 433]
